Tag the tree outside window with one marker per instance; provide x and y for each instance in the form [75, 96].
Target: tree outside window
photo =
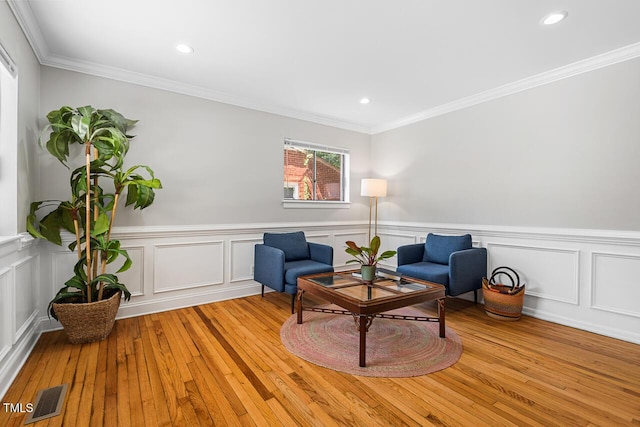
[313, 172]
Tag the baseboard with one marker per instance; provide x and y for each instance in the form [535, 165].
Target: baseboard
[17, 358]
[585, 326]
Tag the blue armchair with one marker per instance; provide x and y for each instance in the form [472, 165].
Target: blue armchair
[285, 256]
[448, 260]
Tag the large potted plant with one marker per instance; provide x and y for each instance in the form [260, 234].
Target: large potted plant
[87, 304]
[367, 257]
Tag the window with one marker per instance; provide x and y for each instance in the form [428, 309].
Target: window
[315, 173]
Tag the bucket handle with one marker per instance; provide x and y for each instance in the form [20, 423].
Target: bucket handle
[505, 271]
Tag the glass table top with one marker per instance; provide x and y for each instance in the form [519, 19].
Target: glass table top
[354, 287]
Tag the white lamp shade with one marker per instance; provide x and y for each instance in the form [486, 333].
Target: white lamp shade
[371, 187]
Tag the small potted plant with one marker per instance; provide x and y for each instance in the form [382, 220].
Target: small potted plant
[87, 303]
[367, 257]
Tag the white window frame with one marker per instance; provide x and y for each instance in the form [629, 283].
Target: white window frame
[8, 145]
[323, 204]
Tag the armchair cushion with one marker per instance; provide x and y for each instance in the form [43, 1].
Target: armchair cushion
[293, 269]
[438, 248]
[294, 245]
[429, 271]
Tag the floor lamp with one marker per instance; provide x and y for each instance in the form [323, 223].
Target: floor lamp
[373, 188]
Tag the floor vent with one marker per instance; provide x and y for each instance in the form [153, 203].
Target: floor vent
[48, 403]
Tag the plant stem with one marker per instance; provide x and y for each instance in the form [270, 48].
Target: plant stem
[116, 197]
[76, 227]
[96, 213]
[88, 215]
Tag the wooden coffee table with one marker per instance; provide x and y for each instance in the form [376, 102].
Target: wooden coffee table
[368, 300]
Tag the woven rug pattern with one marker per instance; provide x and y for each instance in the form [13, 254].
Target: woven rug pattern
[395, 348]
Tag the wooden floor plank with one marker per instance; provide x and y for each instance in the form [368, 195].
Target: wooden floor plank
[224, 364]
[147, 405]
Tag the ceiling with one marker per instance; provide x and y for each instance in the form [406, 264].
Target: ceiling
[315, 59]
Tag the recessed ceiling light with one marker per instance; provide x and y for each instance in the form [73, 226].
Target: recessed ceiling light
[365, 101]
[184, 48]
[554, 18]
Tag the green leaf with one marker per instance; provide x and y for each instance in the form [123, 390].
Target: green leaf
[387, 254]
[80, 125]
[353, 252]
[118, 120]
[119, 287]
[132, 195]
[77, 283]
[50, 226]
[144, 196]
[58, 146]
[101, 226]
[375, 244]
[86, 111]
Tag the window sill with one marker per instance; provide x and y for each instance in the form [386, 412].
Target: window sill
[314, 204]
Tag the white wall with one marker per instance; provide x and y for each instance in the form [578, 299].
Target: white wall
[547, 180]
[560, 155]
[219, 164]
[19, 262]
[24, 152]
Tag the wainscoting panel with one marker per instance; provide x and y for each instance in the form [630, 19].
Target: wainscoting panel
[61, 270]
[340, 257]
[391, 242]
[615, 283]
[133, 278]
[25, 297]
[188, 265]
[241, 262]
[6, 316]
[548, 272]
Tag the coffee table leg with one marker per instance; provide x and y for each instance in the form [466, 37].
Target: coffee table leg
[441, 316]
[299, 305]
[362, 327]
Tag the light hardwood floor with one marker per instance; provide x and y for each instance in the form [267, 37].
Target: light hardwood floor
[223, 364]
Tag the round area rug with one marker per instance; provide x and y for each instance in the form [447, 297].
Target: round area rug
[395, 348]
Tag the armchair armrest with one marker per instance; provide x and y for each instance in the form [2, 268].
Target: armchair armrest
[321, 253]
[466, 270]
[268, 267]
[410, 254]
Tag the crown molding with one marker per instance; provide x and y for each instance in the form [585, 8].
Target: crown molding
[146, 80]
[24, 15]
[599, 61]
[27, 22]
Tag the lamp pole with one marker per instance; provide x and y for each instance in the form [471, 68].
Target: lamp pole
[373, 188]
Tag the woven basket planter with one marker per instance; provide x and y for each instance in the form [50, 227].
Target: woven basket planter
[502, 306]
[88, 322]
[501, 301]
